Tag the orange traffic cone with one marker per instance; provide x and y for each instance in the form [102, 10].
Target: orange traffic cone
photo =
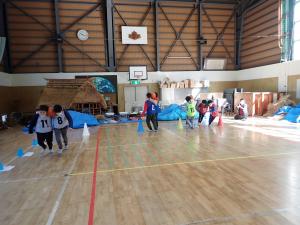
[220, 123]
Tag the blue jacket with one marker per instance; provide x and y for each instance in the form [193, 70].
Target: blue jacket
[151, 107]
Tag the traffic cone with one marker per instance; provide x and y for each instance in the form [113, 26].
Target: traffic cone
[179, 125]
[1, 166]
[20, 153]
[140, 128]
[85, 132]
[220, 123]
[34, 143]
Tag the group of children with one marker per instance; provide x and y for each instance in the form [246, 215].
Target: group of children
[45, 122]
[204, 107]
[152, 108]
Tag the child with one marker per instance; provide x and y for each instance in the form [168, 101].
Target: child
[61, 122]
[190, 112]
[213, 109]
[150, 111]
[43, 128]
[155, 100]
[202, 109]
[242, 110]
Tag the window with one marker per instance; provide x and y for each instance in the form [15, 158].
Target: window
[296, 31]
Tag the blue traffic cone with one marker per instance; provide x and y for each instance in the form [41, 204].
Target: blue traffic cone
[140, 128]
[34, 142]
[20, 153]
[25, 130]
[1, 166]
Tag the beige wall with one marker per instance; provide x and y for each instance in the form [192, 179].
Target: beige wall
[292, 87]
[259, 85]
[219, 86]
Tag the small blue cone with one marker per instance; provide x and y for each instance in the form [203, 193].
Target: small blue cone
[1, 166]
[25, 130]
[20, 153]
[34, 142]
[140, 128]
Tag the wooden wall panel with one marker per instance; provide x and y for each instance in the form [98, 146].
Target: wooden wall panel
[260, 36]
[178, 58]
[219, 15]
[133, 15]
[94, 47]
[27, 36]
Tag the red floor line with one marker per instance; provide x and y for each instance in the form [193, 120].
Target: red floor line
[93, 193]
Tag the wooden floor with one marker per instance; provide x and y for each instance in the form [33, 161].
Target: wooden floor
[244, 173]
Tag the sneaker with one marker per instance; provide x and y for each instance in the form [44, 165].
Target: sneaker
[66, 147]
[149, 130]
[59, 151]
[155, 130]
[51, 151]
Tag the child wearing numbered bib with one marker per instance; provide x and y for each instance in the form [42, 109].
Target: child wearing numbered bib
[43, 128]
[150, 111]
[61, 122]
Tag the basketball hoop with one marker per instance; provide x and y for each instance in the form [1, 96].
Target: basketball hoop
[138, 73]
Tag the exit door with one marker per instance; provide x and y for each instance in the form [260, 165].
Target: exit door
[135, 98]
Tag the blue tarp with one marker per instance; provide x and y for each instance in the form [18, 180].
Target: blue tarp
[293, 115]
[173, 112]
[80, 118]
[283, 110]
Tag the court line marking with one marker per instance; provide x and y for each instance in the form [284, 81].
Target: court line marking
[64, 186]
[33, 148]
[31, 179]
[249, 215]
[94, 181]
[185, 163]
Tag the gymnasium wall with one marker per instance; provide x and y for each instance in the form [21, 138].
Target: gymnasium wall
[259, 85]
[25, 89]
[260, 44]
[292, 86]
[31, 28]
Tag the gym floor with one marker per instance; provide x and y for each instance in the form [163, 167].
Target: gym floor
[246, 172]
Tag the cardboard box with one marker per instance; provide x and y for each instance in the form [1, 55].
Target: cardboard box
[196, 84]
[188, 83]
[173, 85]
[182, 84]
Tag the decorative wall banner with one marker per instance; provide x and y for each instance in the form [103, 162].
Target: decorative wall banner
[134, 35]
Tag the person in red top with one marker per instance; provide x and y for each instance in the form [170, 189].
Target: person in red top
[202, 109]
[150, 111]
[155, 100]
[213, 109]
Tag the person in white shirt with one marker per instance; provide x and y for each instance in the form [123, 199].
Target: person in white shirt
[61, 122]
